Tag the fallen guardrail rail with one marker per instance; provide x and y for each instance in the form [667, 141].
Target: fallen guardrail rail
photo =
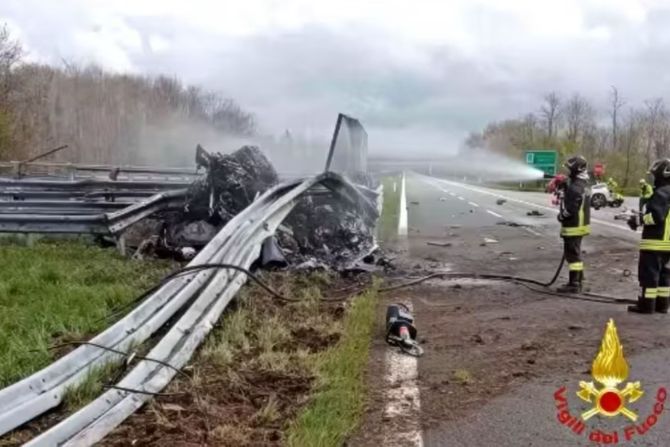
[44, 390]
[238, 243]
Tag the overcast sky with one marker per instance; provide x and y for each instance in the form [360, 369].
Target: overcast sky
[426, 71]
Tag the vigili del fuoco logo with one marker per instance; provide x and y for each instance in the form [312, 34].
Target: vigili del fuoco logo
[610, 397]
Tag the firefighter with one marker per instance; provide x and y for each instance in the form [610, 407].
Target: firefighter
[645, 192]
[612, 185]
[574, 216]
[653, 271]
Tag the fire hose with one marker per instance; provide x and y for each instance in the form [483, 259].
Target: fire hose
[528, 282]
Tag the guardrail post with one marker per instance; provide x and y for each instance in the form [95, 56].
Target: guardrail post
[16, 169]
[121, 244]
[71, 171]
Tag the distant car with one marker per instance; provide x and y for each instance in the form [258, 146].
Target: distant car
[601, 197]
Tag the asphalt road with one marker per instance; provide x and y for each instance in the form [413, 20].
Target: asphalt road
[486, 328]
[458, 198]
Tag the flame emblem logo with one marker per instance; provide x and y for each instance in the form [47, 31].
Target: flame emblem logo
[610, 369]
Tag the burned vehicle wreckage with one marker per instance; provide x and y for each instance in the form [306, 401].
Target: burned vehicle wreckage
[322, 231]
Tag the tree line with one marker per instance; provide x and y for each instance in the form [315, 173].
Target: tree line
[103, 117]
[625, 137]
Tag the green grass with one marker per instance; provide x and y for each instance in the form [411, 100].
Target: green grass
[388, 223]
[60, 290]
[337, 406]
[80, 395]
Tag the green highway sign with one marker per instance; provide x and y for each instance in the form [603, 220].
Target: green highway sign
[544, 160]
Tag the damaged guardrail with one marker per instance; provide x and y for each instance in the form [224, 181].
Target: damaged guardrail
[43, 390]
[239, 243]
[103, 224]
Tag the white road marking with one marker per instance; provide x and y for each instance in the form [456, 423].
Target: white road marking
[493, 213]
[402, 398]
[473, 204]
[402, 218]
[531, 231]
[460, 198]
[452, 194]
[535, 205]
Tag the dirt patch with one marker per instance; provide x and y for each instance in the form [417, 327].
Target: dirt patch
[251, 378]
[248, 408]
[311, 339]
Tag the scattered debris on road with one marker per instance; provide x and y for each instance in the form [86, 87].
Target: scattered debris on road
[400, 329]
[501, 201]
[443, 199]
[511, 223]
[534, 213]
[439, 244]
[414, 202]
[489, 240]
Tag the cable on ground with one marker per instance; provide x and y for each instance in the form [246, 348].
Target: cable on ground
[117, 351]
[584, 296]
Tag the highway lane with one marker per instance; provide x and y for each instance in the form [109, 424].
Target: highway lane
[518, 203]
[514, 347]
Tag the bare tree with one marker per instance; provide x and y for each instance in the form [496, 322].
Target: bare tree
[654, 117]
[474, 140]
[578, 114]
[530, 128]
[616, 104]
[550, 113]
[630, 140]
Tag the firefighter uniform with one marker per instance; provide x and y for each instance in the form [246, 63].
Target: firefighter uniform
[645, 193]
[575, 224]
[653, 265]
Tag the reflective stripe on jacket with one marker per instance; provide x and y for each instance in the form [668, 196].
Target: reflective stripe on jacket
[576, 209]
[656, 221]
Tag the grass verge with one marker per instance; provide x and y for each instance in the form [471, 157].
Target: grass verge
[59, 291]
[388, 222]
[336, 409]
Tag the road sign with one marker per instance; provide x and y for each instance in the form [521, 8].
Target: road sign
[598, 170]
[543, 160]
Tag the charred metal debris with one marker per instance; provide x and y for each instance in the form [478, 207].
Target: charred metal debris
[323, 231]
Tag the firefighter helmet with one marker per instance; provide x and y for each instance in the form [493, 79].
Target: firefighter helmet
[576, 165]
[660, 169]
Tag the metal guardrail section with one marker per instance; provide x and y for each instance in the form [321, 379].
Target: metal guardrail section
[238, 243]
[59, 206]
[30, 189]
[75, 171]
[105, 223]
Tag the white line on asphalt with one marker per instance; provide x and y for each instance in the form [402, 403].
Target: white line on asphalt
[452, 194]
[535, 205]
[531, 231]
[493, 213]
[402, 398]
[402, 218]
[473, 204]
[460, 198]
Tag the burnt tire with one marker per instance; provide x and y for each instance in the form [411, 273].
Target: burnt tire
[598, 201]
